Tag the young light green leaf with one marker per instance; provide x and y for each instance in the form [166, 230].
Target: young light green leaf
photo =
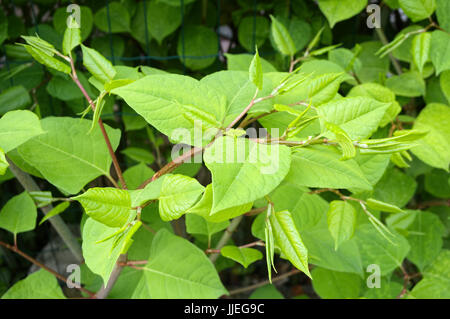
[341, 218]
[289, 240]
[19, 214]
[384, 207]
[282, 38]
[421, 49]
[178, 194]
[3, 162]
[440, 46]
[98, 65]
[255, 71]
[110, 206]
[48, 60]
[344, 141]
[55, 211]
[72, 36]
[244, 256]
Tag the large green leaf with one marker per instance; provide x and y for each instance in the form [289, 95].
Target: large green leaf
[243, 170]
[358, 116]
[409, 84]
[436, 279]
[162, 19]
[165, 100]
[178, 193]
[196, 224]
[110, 206]
[418, 10]
[330, 284]
[19, 214]
[39, 285]
[341, 221]
[434, 148]
[197, 47]
[440, 44]
[320, 166]
[17, 127]
[66, 155]
[395, 187]
[338, 10]
[443, 14]
[188, 273]
[288, 239]
[113, 17]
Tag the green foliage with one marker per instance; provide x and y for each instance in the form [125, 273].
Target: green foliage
[340, 145]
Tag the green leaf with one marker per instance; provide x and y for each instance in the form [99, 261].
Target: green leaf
[330, 284]
[98, 65]
[162, 19]
[376, 249]
[243, 170]
[39, 285]
[66, 156]
[110, 206]
[13, 98]
[323, 88]
[55, 211]
[338, 10]
[341, 221]
[437, 183]
[425, 239]
[358, 116]
[382, 206]
[345, 142]
[244, 256]
[381, 94]
[289, 240]
[3, 162]
[440, 45]
[196, 224]
[136, 175]
[101, 256]
[188, 273]
[266, 292]
[421, 45]
[204, 208]
[253, 31]
[112, 18]
[150, 192]
[436, 279]
[409, 84]
[19, 214]
[255, 71]
[282, 38]
[178, 194]
[163, 99]
[417, 10]
[47, 60]
[443, 14]
[17, 127]
[445, 84]
[199, 41]
[395, 188]
[86, 20]
[139, 155]
[72, 37]
[320, 166]
[434, 148]
[241, 62]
